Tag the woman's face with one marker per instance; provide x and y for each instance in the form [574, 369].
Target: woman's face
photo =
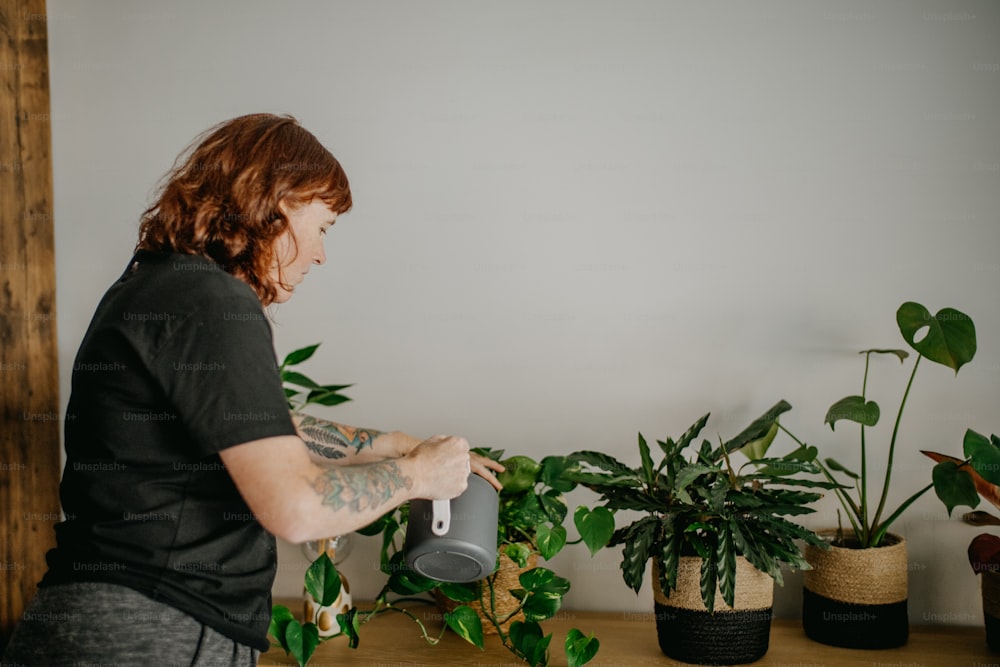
[300, 245]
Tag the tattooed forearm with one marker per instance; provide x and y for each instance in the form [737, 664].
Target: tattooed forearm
[329, 439]
[360, 487]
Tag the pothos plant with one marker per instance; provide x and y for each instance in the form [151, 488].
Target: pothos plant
[715, 502]
[947, 338]
[531, 515]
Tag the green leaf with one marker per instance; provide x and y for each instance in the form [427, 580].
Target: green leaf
[518, 552]
[403, 580]
[328, 396]
[902, 354]
[647, 462]
[759, 429]
[595, 526]
[855, 409]
[298, 356]
[541, 606]
[709, 580]
[954, 486]
[756, 449]
[984, 455]
[834, 465]
[302, 640]
[460, 592]
[551, 540]
[950, 337]
[466, 624]
[726, 561]
[554, 473]
[350, 625]
[580, 649]
[529, 643]
[281, 616]
[298, 379]
[639, 538]
[543, 580]
[554, 506]
[323, 580]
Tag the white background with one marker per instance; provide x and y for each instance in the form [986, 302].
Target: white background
[575, 221]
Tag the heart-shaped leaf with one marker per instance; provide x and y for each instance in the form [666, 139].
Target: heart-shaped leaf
[460, 592]
[323, 580]
[551, 540]
[595, 526]
[281, 616]
[301, 640]
[580, 649]
[466, 624]
[530, 644]
[948, 338]
[954, 486]
[855, 409]
[984, 454]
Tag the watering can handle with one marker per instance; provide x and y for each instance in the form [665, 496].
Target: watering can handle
[441, 519]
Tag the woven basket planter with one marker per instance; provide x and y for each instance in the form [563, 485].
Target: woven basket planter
[504, 579]
[991, 608]
[856, 598]
[727, 636]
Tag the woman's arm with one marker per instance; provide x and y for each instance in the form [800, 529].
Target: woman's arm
[330, 443]
[297, 500]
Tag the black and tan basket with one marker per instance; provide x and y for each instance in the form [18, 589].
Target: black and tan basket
[504, 580]
[727, 636]
[857, 598]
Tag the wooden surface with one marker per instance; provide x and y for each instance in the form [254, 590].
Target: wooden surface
[629, 640]
[29, 382]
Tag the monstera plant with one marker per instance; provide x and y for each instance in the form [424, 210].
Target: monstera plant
[947, 338]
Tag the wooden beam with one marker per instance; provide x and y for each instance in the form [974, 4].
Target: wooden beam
[29, 378]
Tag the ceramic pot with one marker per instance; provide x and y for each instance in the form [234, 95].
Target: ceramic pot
[727, 636]
[857, 598]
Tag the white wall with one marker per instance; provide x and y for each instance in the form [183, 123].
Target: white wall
[579, 220]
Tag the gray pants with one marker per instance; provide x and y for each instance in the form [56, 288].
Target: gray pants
[96, 623]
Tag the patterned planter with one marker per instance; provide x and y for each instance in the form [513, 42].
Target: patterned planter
[727, 636]
[857, 598]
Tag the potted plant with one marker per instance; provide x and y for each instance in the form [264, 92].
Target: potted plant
[960, 482]
[519, 595]
[716, 531]
[856, 593]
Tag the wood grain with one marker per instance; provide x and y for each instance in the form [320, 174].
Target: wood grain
[629, 640]
[29, 388]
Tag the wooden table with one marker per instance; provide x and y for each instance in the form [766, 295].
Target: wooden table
[629, 640]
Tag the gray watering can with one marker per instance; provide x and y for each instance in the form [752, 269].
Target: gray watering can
[454, 540]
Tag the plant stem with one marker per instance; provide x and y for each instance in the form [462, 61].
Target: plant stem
[863, 491]
[892, 449]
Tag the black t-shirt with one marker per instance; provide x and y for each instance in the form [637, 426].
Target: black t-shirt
[177, 365]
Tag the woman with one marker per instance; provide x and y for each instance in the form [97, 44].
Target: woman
[182, 460]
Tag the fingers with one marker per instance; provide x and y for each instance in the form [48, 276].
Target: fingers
[483, 466]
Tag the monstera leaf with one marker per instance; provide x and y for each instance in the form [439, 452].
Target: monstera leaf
[948, 338]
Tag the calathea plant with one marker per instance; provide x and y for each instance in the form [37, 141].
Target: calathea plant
[700, 500]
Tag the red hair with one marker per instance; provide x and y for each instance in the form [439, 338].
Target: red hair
[220, 199]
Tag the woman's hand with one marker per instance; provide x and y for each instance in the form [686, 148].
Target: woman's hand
[483, 466]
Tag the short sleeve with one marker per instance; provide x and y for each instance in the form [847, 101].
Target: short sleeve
[219, 370]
